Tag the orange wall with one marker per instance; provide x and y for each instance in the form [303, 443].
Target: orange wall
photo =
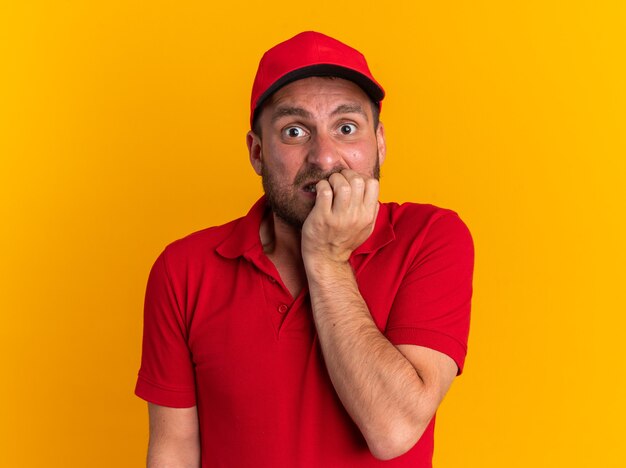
[122, 128]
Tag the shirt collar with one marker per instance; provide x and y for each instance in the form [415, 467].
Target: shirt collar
[245, 235]
[382, 235]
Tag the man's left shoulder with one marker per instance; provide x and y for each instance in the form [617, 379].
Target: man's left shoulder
[418, 217]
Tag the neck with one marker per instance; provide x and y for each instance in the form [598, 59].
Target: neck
[281, 244]
[279, 238]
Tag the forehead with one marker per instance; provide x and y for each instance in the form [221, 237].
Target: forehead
[319, 92]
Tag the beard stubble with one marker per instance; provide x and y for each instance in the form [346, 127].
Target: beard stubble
[286, 204]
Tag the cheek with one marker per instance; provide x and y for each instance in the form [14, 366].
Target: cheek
[358, 155]
[281, 159]
[362, 158]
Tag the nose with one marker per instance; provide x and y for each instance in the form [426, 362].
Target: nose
[323, 152]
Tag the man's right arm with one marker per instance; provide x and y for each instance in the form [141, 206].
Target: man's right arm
[174, 437]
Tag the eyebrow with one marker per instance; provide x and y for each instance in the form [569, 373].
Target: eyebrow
[290, 111]
[350, 109]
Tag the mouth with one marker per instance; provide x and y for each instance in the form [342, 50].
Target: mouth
[310, 188]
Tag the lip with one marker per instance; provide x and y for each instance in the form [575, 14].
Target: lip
[310, 195]
[307, 194]
[310, 182]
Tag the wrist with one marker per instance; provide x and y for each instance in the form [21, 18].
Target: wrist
[327, 268]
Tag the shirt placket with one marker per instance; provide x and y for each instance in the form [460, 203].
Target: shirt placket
[278, 299]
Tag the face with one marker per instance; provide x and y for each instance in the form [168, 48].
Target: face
[310, 129]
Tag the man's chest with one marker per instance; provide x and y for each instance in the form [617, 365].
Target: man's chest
[246, 313]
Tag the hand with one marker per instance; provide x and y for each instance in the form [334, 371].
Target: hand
[343, 217]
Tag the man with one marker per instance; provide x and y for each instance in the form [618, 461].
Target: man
[322, 329]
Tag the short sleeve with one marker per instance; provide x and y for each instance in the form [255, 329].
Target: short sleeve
[432, 307]
[166, 375]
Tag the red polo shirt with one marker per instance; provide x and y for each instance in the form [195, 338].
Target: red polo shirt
[221, 331]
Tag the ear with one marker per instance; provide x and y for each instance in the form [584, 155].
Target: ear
[380, 141]
[255, 151]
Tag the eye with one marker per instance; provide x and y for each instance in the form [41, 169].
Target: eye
[347, 129]
[293, 132]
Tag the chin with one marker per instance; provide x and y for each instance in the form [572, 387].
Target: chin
[291, 214]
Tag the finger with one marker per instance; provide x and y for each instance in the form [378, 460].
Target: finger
[341, 191]
[370, 197]
[375, 218]
[357, 185]
[323, 197]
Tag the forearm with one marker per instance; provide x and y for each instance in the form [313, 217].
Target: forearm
[378, 386]
[174, 437]
[168, 456]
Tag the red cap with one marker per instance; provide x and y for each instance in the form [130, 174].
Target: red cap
[310, 54]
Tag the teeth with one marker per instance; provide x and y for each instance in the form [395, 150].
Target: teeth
[310, 188]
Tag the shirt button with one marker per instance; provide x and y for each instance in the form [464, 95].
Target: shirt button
[282, 308]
